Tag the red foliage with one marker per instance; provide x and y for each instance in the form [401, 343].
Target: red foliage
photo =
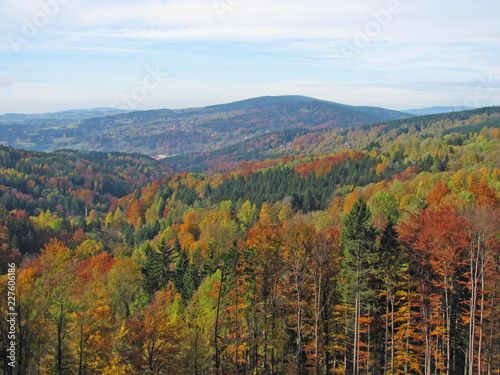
[406, 174]
[21, 215]
[484, 194]
[324, 165]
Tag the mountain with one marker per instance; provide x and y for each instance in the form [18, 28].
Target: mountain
[62, 116]
[277, 100]
[133, 253]
[173, 132]
[301, 141]
[436, 110]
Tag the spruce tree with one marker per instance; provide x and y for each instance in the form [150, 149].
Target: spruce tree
[156, 268]
[359, 240]
[190, 282]
[181, 267]
[183, 276]
[391, 269]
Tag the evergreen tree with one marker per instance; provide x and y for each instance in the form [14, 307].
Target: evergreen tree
[391, 269]
[190, 282]
[186, 276]
[359, 240]
[181, 267]
[156, 268]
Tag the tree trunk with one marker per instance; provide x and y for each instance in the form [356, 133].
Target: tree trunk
[196, 351]
[60, 339]
[299, 329]
[265, 336]
[392, 334]
[216, 333]
[355, 368]
[407, 346]
[474, 263]
[427, 354]
[448, 330]
[481, 322]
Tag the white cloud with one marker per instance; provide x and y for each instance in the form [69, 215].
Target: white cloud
[422, 21]
[296, 44]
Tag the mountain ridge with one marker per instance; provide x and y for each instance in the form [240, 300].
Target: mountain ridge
[437, 109]
[178, 131]
[311, 141]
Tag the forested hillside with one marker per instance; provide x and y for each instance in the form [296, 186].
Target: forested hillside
[172, 132]
[318, 141]
[372, 250]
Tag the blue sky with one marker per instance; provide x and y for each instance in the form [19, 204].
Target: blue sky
[398, 54]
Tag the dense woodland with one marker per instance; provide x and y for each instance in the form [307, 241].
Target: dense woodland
[377, 257]
[455, 126]
[174, 132]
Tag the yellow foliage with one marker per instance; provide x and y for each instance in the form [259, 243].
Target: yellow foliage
[351, 200]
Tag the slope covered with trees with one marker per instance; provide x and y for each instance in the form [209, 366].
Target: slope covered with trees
[172, 132]
[454, 126]
[381, 258]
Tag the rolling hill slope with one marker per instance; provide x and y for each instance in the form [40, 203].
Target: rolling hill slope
[173, 132]
[325, 140]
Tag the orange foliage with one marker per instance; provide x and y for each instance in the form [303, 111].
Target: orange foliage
[154, 340]
[191, 225]
[134, 214]
[496, 133]
[86, 195]
[483, 193]
[381, 168]
[352, 199]
[406, 174]
[440, 190]
[324, 165]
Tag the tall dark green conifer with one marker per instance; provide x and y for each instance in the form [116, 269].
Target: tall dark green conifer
[359, 239]
[391, 268]
[156, 268]
[186, 276]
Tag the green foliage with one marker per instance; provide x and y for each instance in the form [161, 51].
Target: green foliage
[187, 278]
[359, 240]
[157, 267]
[248, 214]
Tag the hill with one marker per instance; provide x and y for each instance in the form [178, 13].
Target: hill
[113, 254]
[436, 110]
[57, 117]
[172, 132]
[324, 140]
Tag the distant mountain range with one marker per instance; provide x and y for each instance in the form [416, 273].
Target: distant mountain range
[299, 141]
[436, 110]
[173, 132]
[62, 116]
[167, 132]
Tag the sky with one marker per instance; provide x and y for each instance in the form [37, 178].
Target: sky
[148, 54]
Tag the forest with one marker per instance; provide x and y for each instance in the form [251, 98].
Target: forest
[369, 250]
[175, 132]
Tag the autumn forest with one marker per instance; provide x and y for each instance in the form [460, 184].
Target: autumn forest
[372, 249]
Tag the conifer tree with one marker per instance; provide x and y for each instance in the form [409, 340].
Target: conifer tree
[359, 240]
[186, 276]
[390, 269]
[156, 268]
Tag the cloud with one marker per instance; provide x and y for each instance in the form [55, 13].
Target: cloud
[284, 46]
[422, 21]
[6, 82]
